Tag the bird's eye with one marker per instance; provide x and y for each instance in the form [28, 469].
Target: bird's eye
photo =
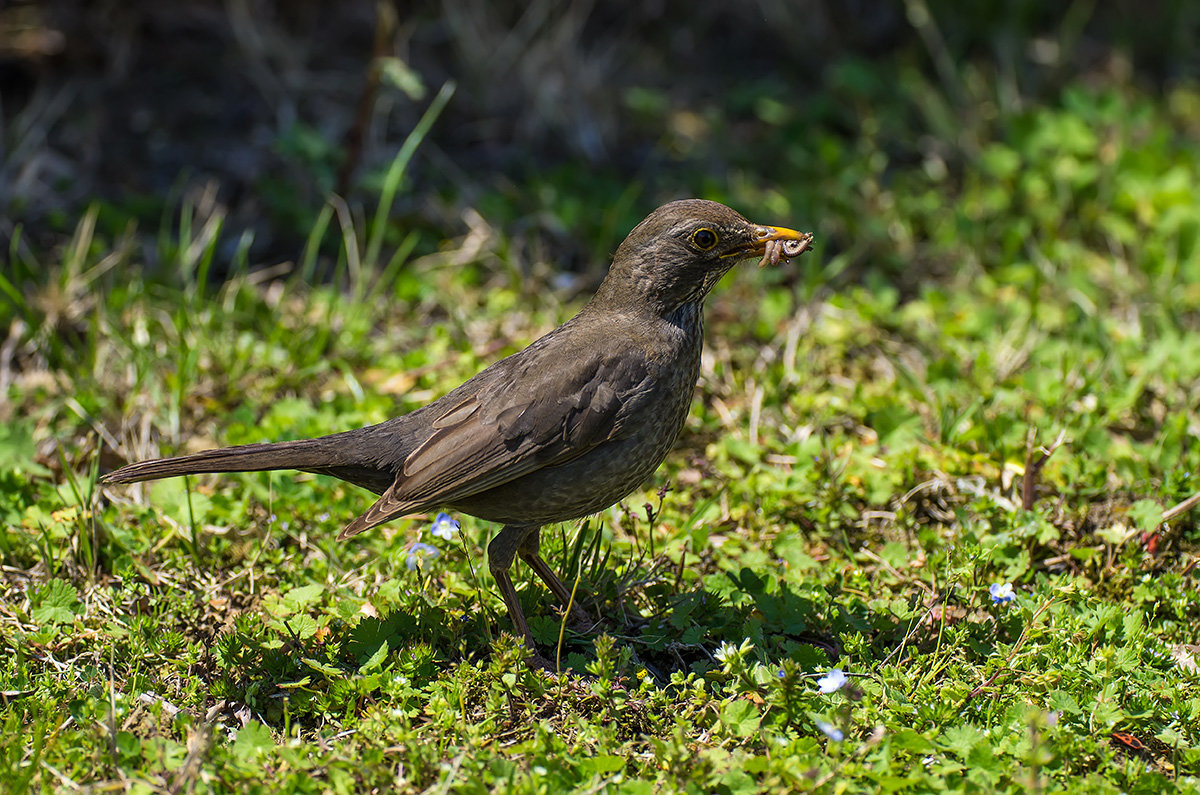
[704, 238]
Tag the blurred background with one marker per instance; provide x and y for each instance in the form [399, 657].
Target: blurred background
[568, 121]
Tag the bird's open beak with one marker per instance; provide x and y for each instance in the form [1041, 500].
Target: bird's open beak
[774, 243]
[764, 233]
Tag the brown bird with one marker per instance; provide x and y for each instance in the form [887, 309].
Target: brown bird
[560, 430]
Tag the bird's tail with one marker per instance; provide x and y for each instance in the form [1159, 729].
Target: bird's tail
[299, 454]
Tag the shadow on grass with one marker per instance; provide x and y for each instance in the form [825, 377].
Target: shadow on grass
[350, 664]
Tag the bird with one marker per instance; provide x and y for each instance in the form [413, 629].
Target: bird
[560, 430]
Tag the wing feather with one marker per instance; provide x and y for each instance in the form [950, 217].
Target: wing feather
[504, 432]
[497, 429]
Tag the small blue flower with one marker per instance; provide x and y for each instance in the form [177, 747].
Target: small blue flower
[782, 673]
[831, 731]
[445, 526]
[832, 681]
[1002, 593]
[418, 553]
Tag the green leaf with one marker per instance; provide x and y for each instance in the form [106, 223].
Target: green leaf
[736, 781]
[174, 498]
[740, 717]
[57, 602]
[1063, 702]
[1146, 514]
[792, 550]
[896, 555]
[911, 740]
[961, 739]
[128, 745]
[252, 739]
[18, 450]
[324, 668]
[302, 626]
[1134, 625]
[302, 682]
[301, 597]
[604, 763]
[984, 757]
[375, 661]
[743, 451]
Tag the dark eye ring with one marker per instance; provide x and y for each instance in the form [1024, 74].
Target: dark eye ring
[704, 238]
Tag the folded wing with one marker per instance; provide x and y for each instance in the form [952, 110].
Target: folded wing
[501, 430]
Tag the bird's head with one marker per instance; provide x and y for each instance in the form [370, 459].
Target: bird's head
[676, 255]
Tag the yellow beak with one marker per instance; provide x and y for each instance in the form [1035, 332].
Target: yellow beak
[774, 243]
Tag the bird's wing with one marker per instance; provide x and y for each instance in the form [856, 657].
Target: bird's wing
[538, 416]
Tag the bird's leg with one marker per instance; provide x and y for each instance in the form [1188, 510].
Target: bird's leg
[529, 552]
[501, 552]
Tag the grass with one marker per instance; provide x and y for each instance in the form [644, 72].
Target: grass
[999, 388]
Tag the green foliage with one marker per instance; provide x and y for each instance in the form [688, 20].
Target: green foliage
[1006, 396]
[55, 603]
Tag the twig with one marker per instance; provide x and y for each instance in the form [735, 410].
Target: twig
[1034, 468]
[385, 24]
[1183, 507]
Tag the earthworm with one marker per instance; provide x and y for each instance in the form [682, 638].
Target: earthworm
[775, 250]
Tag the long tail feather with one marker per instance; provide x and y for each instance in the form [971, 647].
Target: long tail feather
[299, 454]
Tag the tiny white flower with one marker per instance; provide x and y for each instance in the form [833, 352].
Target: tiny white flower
[832, 682]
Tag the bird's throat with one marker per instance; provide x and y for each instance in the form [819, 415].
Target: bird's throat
[688, 317]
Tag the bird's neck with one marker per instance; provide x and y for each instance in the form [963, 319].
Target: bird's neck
[641, 285]
[686, 315]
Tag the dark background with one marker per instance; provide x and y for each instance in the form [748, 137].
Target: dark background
[569, 122]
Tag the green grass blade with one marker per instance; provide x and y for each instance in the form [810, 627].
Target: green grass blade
[395, 173]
